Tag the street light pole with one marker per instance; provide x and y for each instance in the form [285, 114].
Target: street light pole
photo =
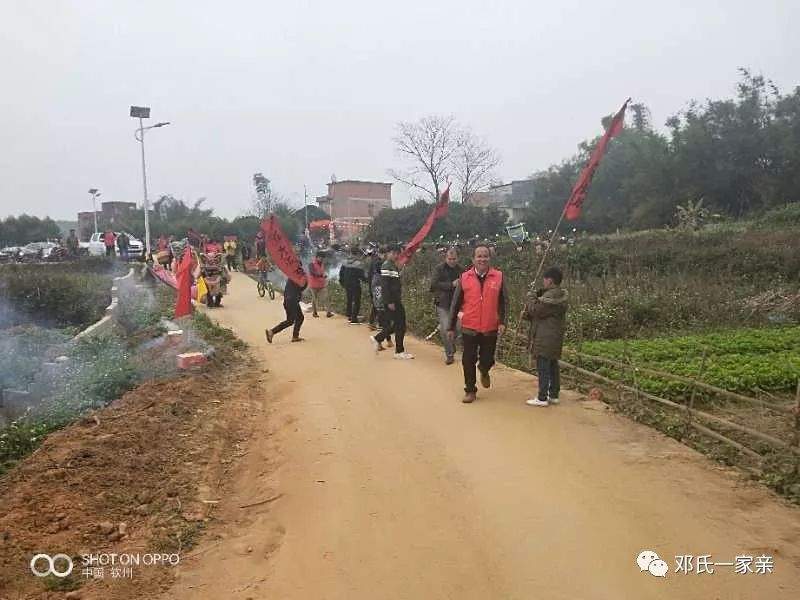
[143, 112]
[146, 203]
[95, 193]
[305, 205]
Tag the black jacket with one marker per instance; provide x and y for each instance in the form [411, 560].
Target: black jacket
[391, 288]
[374, 271]
[351, 273]
[442, 283]
[292, 292]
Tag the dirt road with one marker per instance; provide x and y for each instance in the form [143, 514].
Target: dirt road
[388, 487]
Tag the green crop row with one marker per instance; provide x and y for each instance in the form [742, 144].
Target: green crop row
[738, 360]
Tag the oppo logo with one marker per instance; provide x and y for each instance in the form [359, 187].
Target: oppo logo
[50, 561]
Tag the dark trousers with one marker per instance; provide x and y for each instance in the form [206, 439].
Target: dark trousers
[395, 322]
[477, 349]
[294, 316]
[384, 324]
[353, 301]
[549, 377]
[110, 251]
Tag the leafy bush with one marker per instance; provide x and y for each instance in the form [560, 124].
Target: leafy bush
[51, 296]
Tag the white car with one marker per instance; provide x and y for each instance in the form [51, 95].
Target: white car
[97, 246]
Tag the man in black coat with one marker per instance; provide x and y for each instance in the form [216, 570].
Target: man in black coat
[351, 274]
[443, 283]
[292, 293]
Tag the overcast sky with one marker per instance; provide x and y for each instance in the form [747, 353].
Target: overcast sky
[303, 90]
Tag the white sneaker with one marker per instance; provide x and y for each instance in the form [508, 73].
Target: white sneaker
[537, 402]
[404, 356]
[375, 343]
[552, 400]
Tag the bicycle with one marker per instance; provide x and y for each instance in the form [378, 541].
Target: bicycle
[264, 286]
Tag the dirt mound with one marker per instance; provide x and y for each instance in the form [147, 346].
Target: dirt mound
[131, 478]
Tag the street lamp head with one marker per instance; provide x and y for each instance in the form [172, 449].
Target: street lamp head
[93, 191]
[140, 112]
[161, 124]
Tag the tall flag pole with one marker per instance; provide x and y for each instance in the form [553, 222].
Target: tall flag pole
[572, 209]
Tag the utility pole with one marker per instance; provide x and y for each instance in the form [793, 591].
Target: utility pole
[95, 193]
[143, 112]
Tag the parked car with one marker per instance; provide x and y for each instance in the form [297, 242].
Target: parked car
[9, 253]
[97, 247]
[36, 251]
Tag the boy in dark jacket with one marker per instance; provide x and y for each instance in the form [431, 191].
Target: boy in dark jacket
[294, 314]
[548, 312]
[376, 293]
[443, 283]
[351, 274]
[392, 291]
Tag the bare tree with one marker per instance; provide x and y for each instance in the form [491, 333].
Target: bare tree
[428, 145]
[473, 163]
[265, 198]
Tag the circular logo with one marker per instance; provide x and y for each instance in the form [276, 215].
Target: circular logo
[51, 565]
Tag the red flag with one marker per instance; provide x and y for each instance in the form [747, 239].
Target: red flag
[183, 306]
[282, 251]
[440, 210]
[572, 210]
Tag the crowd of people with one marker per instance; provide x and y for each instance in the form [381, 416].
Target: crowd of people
[471, 303]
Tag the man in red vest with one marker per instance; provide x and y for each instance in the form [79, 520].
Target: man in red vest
[318, 281]
[481, 296]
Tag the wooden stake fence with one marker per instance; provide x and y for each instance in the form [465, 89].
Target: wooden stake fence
[692, 382]
[697, 413]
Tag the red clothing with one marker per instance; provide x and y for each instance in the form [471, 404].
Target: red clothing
[481, 305]
[109, 238]
[316, 275]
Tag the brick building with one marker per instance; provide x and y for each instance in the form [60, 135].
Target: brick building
[352, 199]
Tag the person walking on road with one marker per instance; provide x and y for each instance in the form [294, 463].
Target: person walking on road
[481, 296]
[73, 245]
[122, 244]
[378, 303]
[548, 311]
[109, 239]
[292, 293]
[443, 284]
[230, 248]
[392, 295]
[351, 274]
[318, 282]
[373, 273]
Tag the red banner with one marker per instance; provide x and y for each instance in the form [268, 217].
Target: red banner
[572, 210]
[282, 251]
[440, 210]
[183, 306]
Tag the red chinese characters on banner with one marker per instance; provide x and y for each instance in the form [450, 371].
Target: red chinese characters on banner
[282, 252]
